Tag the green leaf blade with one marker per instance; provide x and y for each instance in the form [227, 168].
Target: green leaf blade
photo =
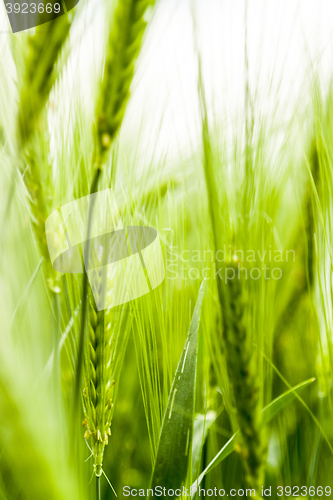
[202, 424]
[271, 410]
[173, 453]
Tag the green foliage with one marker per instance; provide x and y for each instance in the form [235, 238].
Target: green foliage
[264, 188]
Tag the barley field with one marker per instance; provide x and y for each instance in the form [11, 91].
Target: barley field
[166, 249]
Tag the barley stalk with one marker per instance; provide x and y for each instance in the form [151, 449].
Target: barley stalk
[38, 78]
[242, 375]
[310, 213]
[123, 48]
[239, 354]
[39, 215]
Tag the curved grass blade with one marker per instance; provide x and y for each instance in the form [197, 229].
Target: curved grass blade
[177, 429]
[268, 413]
[27, 289]
[202, 424]
[271, 410]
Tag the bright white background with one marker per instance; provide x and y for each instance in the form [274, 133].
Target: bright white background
[288, 41]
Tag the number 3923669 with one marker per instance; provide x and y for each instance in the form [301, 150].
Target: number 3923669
[32, 8]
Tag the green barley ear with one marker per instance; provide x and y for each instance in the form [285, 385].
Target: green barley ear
[123, 48]
[39, 212]
[242, 374]
[99, 384]
[233, 300]
[39, 74]
[36, 82]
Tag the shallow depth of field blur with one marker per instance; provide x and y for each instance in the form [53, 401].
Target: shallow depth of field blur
[243, 86]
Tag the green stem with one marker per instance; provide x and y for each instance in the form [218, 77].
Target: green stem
[98, 488]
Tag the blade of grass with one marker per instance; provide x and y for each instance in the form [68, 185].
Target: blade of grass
[314, 418]
[27, 289]
[202, 424]
[173, 453]
[268, 413]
